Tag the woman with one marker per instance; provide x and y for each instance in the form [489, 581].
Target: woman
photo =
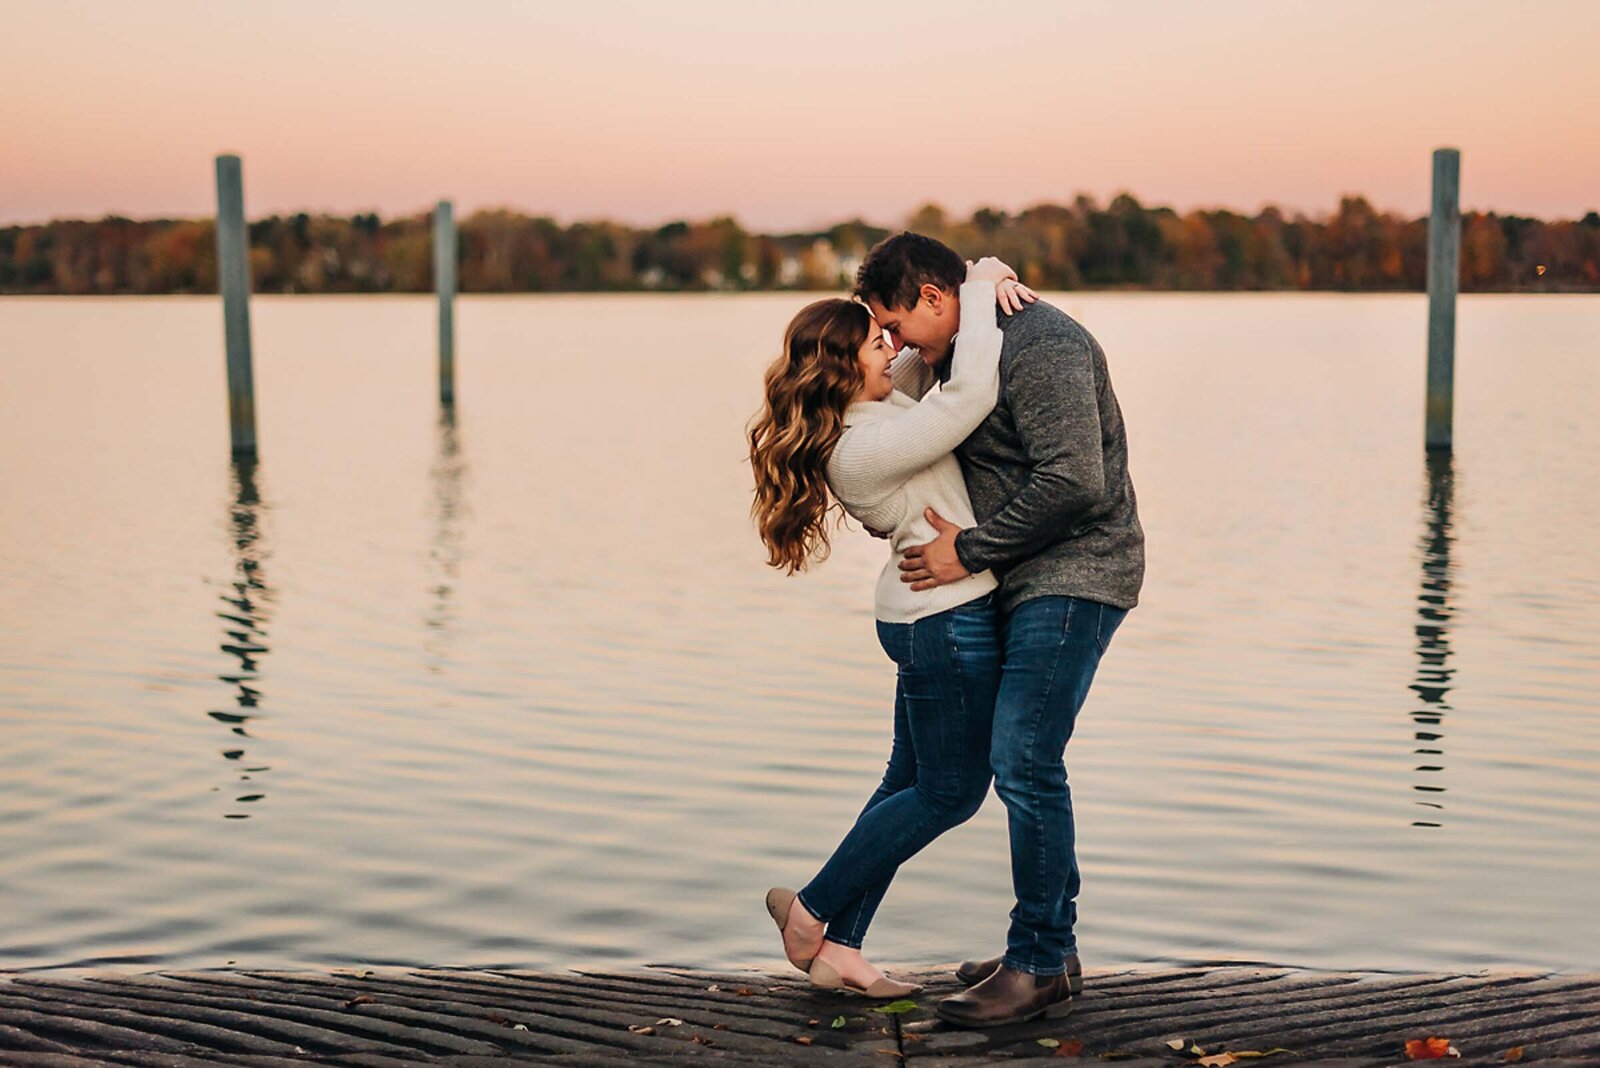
[833, 429]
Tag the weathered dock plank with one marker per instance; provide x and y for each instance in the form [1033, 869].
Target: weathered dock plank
[476, 1018]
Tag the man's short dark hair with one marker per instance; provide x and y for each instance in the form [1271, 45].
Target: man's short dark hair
[897, 268]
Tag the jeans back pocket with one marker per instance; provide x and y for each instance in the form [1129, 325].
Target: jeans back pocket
[1110, 619]
[896, 639]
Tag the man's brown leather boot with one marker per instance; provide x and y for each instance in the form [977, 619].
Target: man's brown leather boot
[976, 971]
[1006, 997]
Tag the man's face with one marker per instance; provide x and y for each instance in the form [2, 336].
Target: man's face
[929, 325]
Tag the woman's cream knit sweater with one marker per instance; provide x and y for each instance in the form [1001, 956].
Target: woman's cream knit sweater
[895, 459]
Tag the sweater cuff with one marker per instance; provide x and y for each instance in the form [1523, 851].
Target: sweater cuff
[964, 553]
[979, 292]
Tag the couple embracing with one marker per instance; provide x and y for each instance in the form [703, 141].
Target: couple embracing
[990, 451]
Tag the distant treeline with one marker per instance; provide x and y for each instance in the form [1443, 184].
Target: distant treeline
[1080, 245]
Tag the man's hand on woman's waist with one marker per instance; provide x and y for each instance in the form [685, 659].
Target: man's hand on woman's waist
[933, 563]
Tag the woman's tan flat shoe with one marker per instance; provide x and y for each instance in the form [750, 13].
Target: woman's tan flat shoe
[827, 977]
[780, 899]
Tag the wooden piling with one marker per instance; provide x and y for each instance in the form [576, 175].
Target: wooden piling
[1444, 275]
[444, 283]
[233, 282]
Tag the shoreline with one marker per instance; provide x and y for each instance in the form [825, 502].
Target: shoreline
[813, 294]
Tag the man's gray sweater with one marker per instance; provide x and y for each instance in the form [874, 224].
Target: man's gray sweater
[1048, 470]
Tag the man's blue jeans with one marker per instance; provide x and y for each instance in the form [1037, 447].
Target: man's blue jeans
[1052, 647]
[938, 772]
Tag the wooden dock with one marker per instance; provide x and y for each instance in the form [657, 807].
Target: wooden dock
[390, 1016]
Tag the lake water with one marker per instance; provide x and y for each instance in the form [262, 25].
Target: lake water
[518, 690]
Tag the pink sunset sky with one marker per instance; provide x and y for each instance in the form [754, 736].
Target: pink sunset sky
[791, 115]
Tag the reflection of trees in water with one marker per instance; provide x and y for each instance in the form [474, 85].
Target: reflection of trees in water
[448, 475]
[1434, 613]
[245, 613]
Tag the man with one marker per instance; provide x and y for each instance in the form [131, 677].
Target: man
[1058, 524]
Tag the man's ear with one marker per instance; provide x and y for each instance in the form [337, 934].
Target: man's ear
[935, 296]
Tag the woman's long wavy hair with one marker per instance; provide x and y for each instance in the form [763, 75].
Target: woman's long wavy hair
[793, 436]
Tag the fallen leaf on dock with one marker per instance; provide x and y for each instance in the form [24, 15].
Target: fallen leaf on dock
[895, 1008]
[359, 999]
[1430, 1049]
[641, 1029]
[1176, 1043]
[669, 1021]
[804, 1040]
[495, 1017]
[1049, 1043]
[745, 992]
[1513, 1055]
[838, 1022]
[1216, 1060]
[1070, 1048]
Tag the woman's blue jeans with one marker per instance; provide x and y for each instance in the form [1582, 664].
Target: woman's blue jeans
[938, 772]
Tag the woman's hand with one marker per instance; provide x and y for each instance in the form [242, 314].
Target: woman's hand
[1009, 293]
[1012, 294]
[989, 269]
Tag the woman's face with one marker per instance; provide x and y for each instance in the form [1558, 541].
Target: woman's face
[874, 357]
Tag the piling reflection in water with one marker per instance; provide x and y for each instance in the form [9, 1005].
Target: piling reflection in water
[247, 602]
[450, 512]
[1434, 614]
